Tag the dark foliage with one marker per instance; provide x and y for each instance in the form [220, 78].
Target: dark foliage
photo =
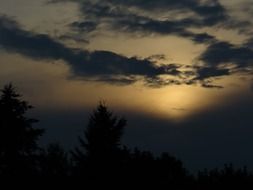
[100, 159]
[18, 139]
[102, 136]
[54, 162]
[226, 177]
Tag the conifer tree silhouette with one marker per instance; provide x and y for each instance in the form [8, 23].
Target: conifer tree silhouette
[100, 149]
[102, 136]
[18, 138]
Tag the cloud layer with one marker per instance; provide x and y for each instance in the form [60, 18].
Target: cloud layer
[179, 18]
[98, 65]
[161, 17]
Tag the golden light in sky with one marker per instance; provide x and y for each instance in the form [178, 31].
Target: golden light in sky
[174, 102]
[181, 71]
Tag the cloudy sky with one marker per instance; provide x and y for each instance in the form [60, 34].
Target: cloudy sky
[180, 71]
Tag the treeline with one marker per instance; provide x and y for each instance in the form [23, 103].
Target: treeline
[99, 158]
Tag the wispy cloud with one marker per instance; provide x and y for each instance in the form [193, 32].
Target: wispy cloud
[122, 15]
[132, 17]
[98, 65]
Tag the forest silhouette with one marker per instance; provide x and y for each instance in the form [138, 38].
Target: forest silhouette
[100, 158]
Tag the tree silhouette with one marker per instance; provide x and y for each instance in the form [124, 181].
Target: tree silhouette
[99, 159]
[99, 150]
[18, 139]
[54, 162]
[102, 136]
[225, 177]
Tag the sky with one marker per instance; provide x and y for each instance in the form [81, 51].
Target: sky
[179, 71]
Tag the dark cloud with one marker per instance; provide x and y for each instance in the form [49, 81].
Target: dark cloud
[222, 59]
[109, 63]
[71, 37]
[206, 76]
[210, 85]
[203, 38]
[179, 17]
[119, 81]
[208, 72]
[151, 26]
[212, 11]
[157, 82]
[117, 69]
[100, 65]
[117, 15]
[121, 19]
[225, 52]
[249, 43]
[85, 26]
[38, 46]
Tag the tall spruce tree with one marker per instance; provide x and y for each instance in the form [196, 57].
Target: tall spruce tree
[18, 138]
[99, 150]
